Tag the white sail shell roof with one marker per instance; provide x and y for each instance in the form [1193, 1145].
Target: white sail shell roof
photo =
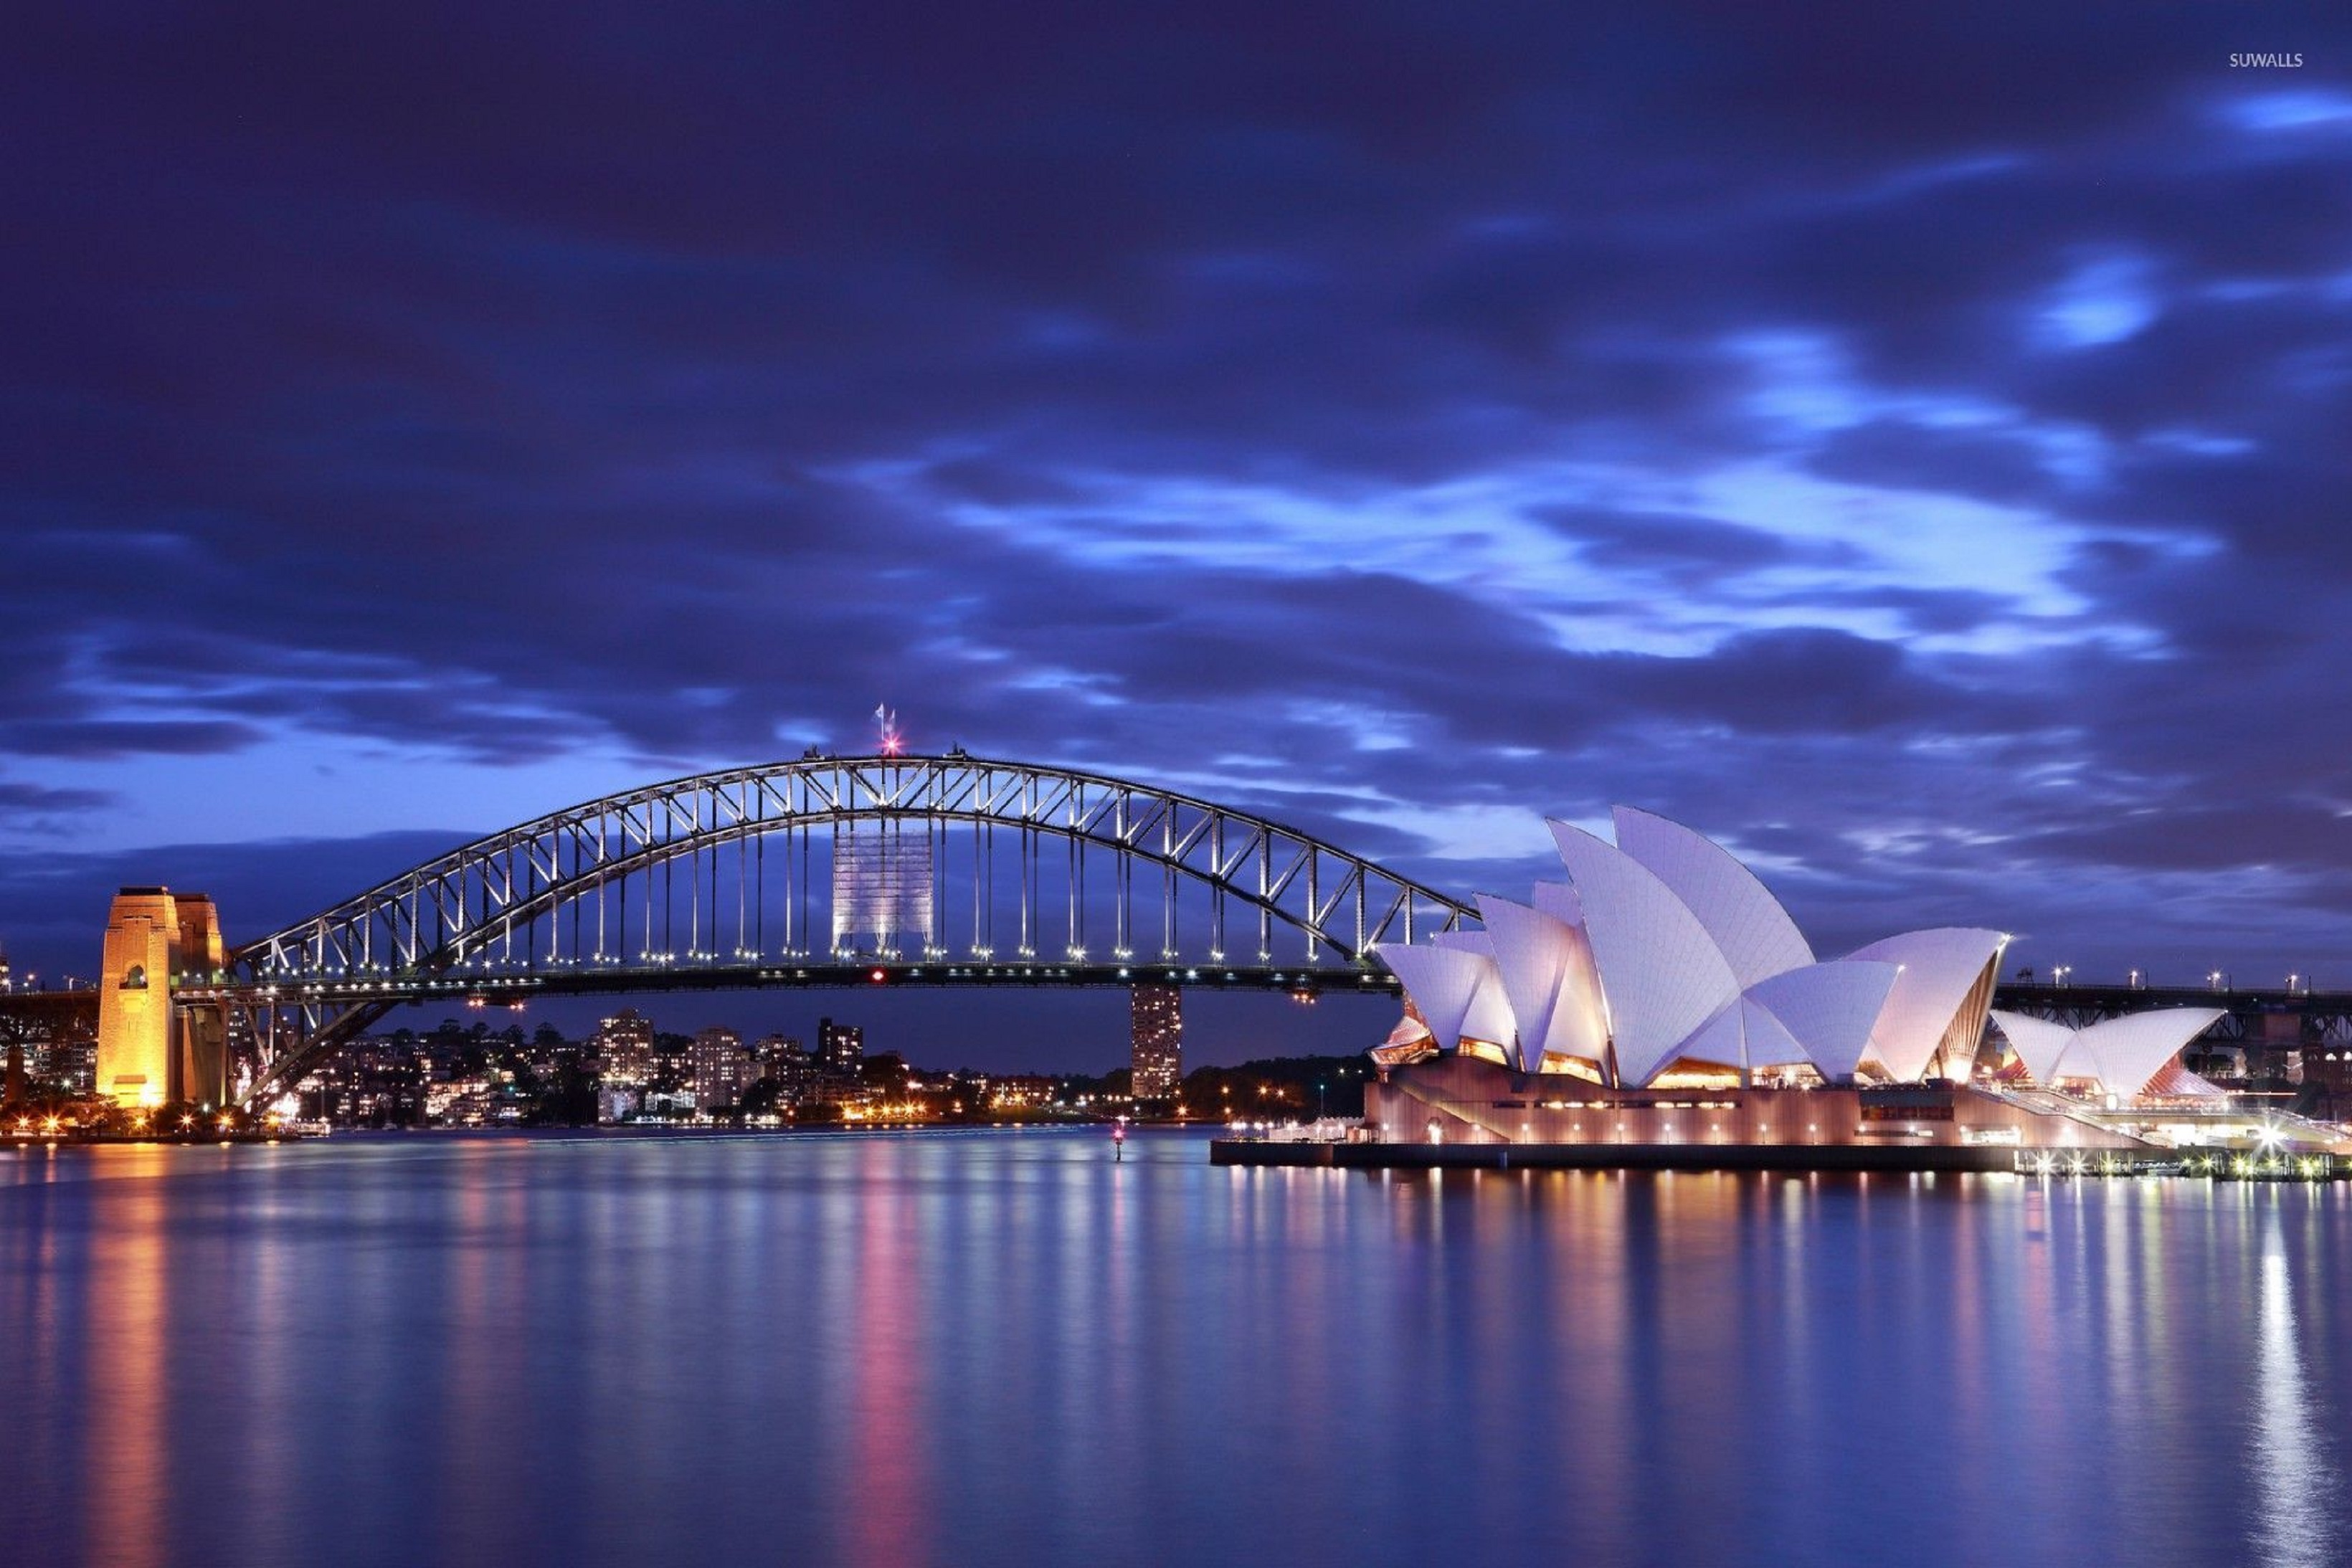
[2175, 1079]
[1664, 947]
[1488, 1017]
[1721, 1041]
[1662, 976]
[1767, 1039]
[1819, 1015]
[1447, 984]
[1753, 932]
[1581, 1021]
[1940, 968]
[2130, 1051]
[1531, 952]
[1559, 900]
[2123, 1055]
[2040, 1044]
[1826, 1012]
[1745, 1034]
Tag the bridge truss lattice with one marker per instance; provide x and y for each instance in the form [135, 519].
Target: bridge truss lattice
[978, 862]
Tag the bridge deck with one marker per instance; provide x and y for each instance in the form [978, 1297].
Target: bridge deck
[869, 975]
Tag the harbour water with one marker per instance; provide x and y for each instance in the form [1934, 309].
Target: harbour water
[1002, 1347]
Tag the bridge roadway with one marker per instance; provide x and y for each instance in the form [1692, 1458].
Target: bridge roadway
[2327, 1015]
[494, 989]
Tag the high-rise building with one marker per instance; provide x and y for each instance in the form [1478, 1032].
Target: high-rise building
[722, 1068]
[624, 1047]
[673, 1061]
[787, 1064]
[840, 1047]
[1156, 1042]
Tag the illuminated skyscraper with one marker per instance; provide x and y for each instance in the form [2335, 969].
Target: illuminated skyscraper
[722, 1069]
[625, 1046]
[1156, 1060]
[840, 1047]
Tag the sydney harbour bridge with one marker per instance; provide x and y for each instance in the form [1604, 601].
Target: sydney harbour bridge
[882, 870]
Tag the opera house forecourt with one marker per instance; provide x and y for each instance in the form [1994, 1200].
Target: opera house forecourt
[1660, 1006]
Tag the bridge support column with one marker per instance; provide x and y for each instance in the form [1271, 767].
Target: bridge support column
[148, 1052]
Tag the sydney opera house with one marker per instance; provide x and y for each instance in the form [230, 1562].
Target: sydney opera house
[1661, 998]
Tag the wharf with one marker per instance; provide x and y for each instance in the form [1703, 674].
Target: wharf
[2217, 1165]
[1613, 1156]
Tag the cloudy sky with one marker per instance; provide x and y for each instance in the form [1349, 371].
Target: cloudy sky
[1912, 451]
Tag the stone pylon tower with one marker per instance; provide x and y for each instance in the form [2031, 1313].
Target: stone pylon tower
[148, 1052]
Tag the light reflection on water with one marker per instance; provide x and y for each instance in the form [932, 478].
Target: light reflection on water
[2296, 1485]
[1003, 1348]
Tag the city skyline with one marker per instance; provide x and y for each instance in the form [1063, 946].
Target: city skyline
[886, 785]
[1910, 455]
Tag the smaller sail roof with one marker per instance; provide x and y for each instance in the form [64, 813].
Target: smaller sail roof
[1488, 1014]
[2132, 1049]
[1532, 952]
[2123, 1056]
[2038, 1043]
[1450, 987]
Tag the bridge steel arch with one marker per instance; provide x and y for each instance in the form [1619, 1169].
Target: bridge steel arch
[552, 895]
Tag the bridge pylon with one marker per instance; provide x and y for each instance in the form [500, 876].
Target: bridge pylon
[149, 1051]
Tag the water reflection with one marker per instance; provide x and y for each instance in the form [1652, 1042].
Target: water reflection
[129, 1337]
[1007, 1349]
[2296, 1525]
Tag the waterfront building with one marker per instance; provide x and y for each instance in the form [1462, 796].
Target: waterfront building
[624, 1045]
[721, 1069]
[673, 1058]
[1155, 1041]
[1663, 961]
[837, 1089]
[840, 1047]
[1021, 1092]
[65, 1056]
[1660, 996]
[786, 1063]
[376, 1083]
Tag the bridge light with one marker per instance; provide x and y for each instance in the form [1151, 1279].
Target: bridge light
[876, 975]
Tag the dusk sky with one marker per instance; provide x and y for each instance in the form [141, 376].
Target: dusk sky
[1912, 451]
